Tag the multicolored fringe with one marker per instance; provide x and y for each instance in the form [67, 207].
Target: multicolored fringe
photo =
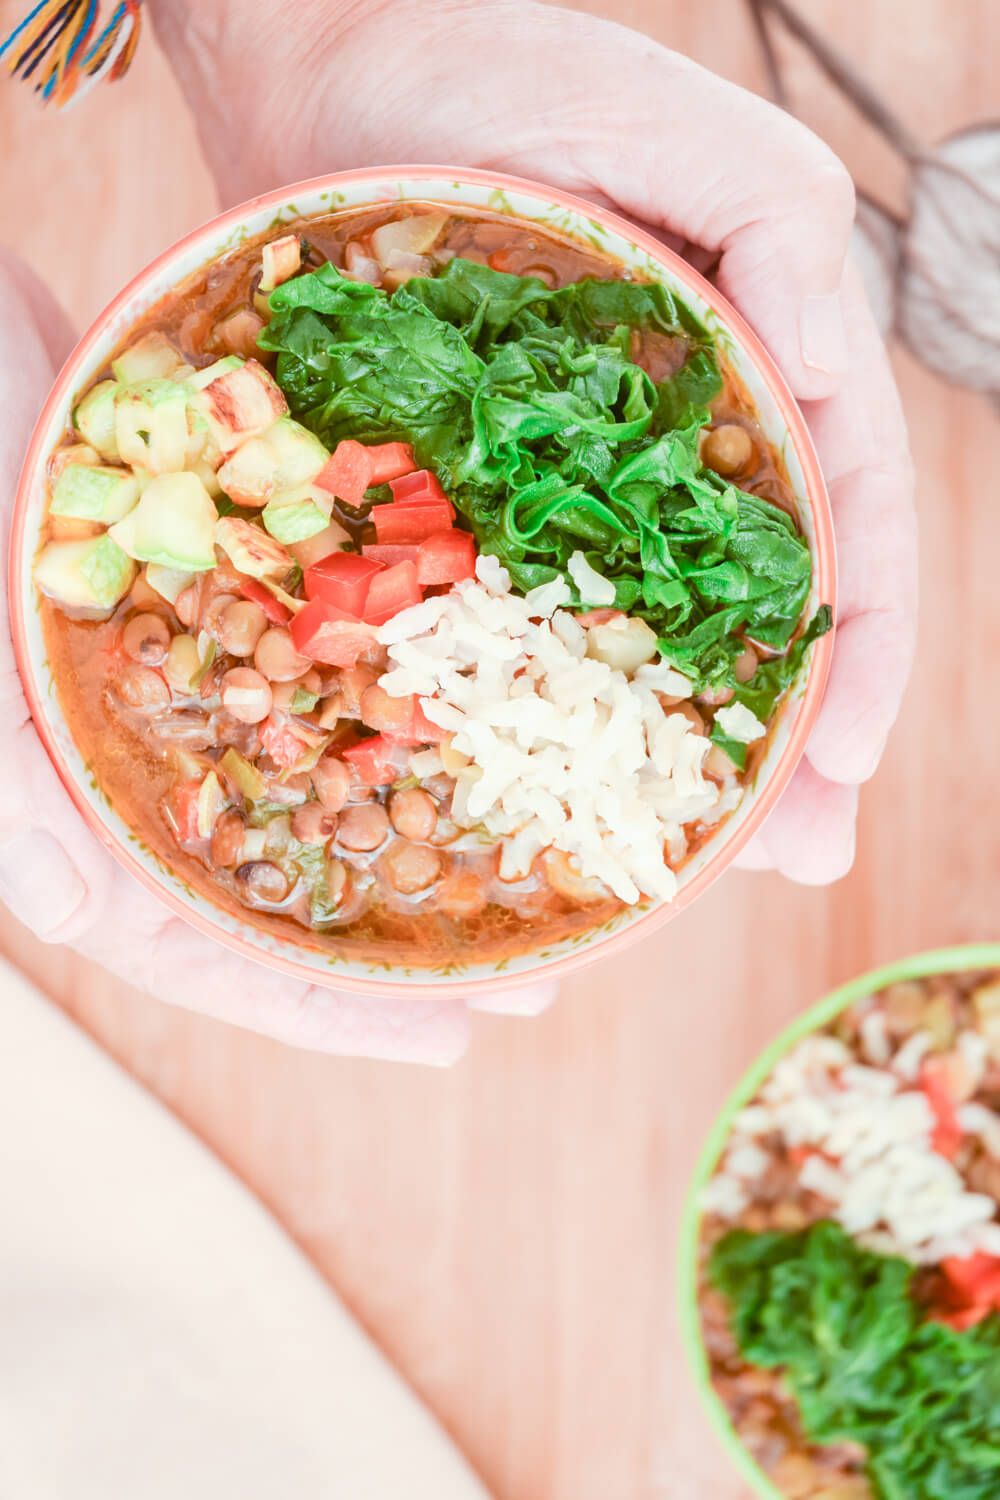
[54, 47]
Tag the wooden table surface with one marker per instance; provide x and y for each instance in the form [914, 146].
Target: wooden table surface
[506, 1230]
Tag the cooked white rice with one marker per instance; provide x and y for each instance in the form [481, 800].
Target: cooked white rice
[869, 1134]
[565, 752]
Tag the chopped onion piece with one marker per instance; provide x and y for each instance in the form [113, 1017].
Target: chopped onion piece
[414, 235]
[738, 723]
[591, 586]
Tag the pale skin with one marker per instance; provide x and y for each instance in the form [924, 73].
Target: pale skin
[623, 122]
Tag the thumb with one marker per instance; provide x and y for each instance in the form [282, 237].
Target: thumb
[578, 101]
[678, 148]
[732, 173]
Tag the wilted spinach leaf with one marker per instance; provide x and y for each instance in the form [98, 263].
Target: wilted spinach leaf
[550, 438]
[864, 1363]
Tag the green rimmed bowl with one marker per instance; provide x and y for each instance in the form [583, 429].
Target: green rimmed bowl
[918, 966]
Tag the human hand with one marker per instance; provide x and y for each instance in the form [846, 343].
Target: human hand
[57, 879]
[602, 111]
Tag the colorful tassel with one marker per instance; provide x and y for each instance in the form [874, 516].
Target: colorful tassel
[54, 46]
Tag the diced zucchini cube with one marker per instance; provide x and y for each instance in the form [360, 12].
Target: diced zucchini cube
[168, 582]
[94, 418]
[151, 426]
[92, 574]
[251, 550]
[71, 453]
[152, 357]
[297, 514]
[208, 476]
[284, 456]
[240, 404]
[94, 493]
[201, 445]
[173, 525]
[205, 376]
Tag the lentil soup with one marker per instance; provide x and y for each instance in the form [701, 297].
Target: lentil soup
[418, 579]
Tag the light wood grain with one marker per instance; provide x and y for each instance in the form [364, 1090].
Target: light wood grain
[506, 1230]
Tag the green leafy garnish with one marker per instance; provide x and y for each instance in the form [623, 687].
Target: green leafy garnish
[314, 868]
[863, 1362]
[264, 811]
[735, 749]
[246, 775]
[550, 438]
[303, 702]
[769, 681]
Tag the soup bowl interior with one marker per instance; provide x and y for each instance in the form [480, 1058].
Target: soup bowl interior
[918, 966]
[779, 418]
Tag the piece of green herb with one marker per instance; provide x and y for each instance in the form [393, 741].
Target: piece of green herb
[769, 681]
[303, 702]
[864, 1363]
[314, 867]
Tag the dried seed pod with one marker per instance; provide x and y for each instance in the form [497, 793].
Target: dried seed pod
[948, 297]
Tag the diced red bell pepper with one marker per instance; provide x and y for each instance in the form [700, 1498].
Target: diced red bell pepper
[424, 730]
[185, 810]
[947, 1135]
[377, 761]
[330, 635]
[281, 742]
[963, 1320]
[342, 580]
[975, 1277]
[447, 557]
[421, 488]
[346, 473]
[277, 613]
[391, 553]
[388, 462]
[411, 523]
[353, 468]
[973, 1290]
[391, 590]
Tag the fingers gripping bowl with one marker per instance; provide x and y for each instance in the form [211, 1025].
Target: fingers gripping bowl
[421, 580]
[841, 1259]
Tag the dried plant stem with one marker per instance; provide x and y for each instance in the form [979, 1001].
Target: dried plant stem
[775, 81]
[847, 79]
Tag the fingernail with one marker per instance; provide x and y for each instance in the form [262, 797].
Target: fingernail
[39, 882]
[822, 337]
